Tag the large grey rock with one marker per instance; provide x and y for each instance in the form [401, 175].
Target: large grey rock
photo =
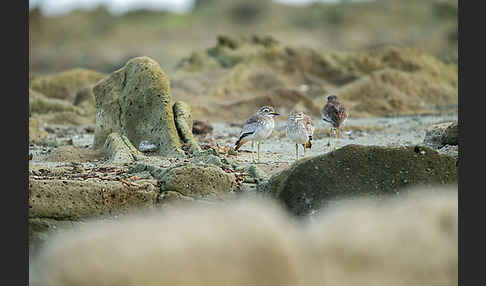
[135, 101]
[356, 170]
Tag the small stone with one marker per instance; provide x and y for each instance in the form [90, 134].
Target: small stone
[146, 146]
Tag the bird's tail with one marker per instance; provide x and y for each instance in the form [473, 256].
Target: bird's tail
[308, 144]
[238, 144]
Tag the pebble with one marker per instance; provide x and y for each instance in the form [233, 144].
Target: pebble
[146, 146]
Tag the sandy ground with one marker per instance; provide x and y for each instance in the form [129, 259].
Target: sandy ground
[276, 152]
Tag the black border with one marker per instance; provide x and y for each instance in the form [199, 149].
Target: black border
[15, 141]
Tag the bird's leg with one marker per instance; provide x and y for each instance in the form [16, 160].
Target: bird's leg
[258, 154]
[330, 134]
[251, 154]
[296, 152]
[337, 137]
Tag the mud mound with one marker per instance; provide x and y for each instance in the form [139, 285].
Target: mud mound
[285, 100]
[382, 81]
[64, 85]
[394, 92]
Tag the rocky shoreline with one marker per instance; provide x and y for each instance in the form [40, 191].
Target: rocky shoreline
[143, 152]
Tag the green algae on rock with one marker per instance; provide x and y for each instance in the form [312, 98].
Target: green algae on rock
[355, 170]
[183, 122]
[64, 85]
[135, 101]
[119, 149]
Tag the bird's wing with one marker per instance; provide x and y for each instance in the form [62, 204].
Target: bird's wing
[309, 125]
[250, 126]
[334, 113]
[343, 114]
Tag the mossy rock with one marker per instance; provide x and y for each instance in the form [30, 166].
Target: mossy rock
[356, 170]
[198, 181]
[75, 199]
[135, 101]
[36, 133]
[119, 150]
[184, 123]
[64, 85]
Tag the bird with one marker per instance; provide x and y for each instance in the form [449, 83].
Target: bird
[300, 129]
[335, 114]
[257, 128]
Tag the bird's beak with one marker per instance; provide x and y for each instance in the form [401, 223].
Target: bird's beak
[275, 113]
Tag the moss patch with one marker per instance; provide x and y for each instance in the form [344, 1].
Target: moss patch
[135, 101]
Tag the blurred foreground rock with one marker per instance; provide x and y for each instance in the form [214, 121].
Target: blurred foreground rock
[355, 170]
[411, 240]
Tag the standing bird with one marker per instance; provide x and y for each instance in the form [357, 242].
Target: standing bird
[257, 128]
[335, 114]
[300, 129]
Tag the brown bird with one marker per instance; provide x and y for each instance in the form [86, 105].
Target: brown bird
[300, 129]
[335, 114]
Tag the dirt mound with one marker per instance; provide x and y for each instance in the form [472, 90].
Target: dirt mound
[64, 85]
[382, 81]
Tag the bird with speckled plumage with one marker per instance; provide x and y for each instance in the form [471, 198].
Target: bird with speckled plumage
[257, 128]
[300, 129]
[335, 114]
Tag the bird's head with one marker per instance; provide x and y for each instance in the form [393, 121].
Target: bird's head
[331, 98]
[296, 115]
[268, 111]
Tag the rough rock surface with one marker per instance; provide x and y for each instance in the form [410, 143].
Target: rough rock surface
[184, 124]
[199, 181]
[135, 101]
[355, 170]
[119, 150]
[74, 199]
[442, 134]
